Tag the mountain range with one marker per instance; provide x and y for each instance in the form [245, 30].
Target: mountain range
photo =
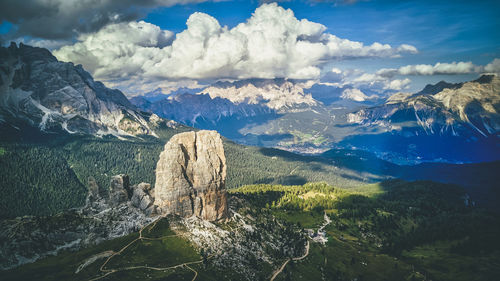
[442, 123]
[404, 128]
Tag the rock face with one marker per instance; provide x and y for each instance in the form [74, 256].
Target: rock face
[39, 91]
[459, 110]
[190, 176]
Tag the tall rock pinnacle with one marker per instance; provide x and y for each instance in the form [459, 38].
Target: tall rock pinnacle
[190, 176]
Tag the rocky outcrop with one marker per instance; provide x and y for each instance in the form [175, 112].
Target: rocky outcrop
[190, 176]
[107, 214]
[120, 194]
[93, 191]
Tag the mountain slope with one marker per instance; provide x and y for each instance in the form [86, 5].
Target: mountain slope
[38, 90]
[459, 123]
[471, 109]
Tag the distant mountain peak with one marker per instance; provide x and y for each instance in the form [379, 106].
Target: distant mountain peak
[486, 78]
[431, 89]
[276, 94]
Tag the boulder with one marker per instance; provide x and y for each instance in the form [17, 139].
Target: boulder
[190, 176]
[142, 197]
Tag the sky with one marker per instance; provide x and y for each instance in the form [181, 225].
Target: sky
[140, 45]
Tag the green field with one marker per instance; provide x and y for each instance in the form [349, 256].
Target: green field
[393, 230]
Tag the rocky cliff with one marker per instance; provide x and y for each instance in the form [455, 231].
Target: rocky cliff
[190, 176]
[460, 123]
[38, 90]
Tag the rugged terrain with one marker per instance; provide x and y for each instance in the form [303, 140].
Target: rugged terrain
[92, 204]
[390, 231]
[447, 122]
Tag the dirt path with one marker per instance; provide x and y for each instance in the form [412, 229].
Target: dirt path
[277, 272]
[195, 272]
[140, 238]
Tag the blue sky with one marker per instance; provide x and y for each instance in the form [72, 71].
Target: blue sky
[442, 31]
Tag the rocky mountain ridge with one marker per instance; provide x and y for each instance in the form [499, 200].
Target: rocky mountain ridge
[38, 90]
[276, 94]
[199, 110]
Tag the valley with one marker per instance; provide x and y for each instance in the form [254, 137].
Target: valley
[402, 128]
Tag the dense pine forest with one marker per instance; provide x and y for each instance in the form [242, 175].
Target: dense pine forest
[54, 173]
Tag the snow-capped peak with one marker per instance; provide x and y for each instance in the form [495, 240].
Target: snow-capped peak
[275, 94]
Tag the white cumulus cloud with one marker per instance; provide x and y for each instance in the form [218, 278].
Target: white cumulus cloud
[271, 43]
[493, 66]
[372, 80]
[360, 79]
[117, 50]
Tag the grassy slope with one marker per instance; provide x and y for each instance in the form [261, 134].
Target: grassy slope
[169, 250]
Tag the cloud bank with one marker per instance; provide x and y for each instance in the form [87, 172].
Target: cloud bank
[271, 43]
[493, 67]
[454, 68]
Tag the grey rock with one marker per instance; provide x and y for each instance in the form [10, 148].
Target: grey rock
[141, 196]
[190, 176]
[151, 210]
[145, 202]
